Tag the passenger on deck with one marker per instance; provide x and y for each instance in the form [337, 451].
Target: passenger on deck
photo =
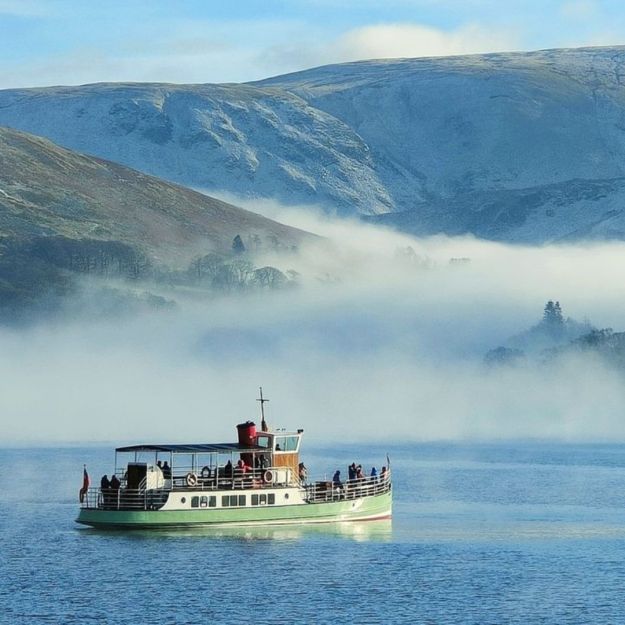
[115, 483]
[359, 474]
[383, 474]
[228, 469]
[241, 467]
[105, 487]
[159, 464]
[336, 480]
[351, 471]
[374, 472]
[166, 470]
[264, 463]
[303, 472]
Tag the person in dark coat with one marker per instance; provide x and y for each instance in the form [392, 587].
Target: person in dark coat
[105, 488]
[351, 471]
[166, 471]
[336, 480]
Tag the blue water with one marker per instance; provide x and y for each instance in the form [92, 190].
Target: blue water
[481, 534]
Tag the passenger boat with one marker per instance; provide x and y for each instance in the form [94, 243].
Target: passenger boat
[258, 480]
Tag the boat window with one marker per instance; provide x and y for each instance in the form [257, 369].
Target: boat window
[262, 500]
[203, 502]
[225, 501]
[230, 501]
[271, 498]
[254, 500]
[291, 443]
[212, 501]
[286, 443]
[195, 502]
[263, 441]
[242, 500]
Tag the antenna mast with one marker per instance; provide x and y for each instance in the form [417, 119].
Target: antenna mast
[262, 400]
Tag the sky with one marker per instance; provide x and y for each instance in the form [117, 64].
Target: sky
[48, 42]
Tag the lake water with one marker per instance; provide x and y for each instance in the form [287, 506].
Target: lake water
[481, 534]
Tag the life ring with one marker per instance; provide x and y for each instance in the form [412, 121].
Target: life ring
[206, 472]
[191, 479]
[269, 477]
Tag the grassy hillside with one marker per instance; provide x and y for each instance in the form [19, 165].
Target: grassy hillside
[63, 213]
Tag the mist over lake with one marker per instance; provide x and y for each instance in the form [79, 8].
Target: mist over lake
[380, 328]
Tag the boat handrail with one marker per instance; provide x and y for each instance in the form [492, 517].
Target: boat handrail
[327, 490]
[253, 478]
[315, 491]
[125, 498]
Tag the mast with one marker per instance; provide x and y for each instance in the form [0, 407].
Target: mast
[262, 400]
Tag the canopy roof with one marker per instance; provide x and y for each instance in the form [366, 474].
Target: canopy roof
[205, 448]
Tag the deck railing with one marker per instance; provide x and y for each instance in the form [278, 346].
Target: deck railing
[236, 479]
[125, 499]
[153, 499]
[350, 489]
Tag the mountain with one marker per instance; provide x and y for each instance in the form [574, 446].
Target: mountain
[247, 140]
[516, 147]
[62, 212]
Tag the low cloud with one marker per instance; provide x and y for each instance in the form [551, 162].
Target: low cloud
[418, 40]
[384, 338]
[388, 41]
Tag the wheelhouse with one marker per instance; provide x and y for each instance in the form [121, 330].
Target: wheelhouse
[258, 459]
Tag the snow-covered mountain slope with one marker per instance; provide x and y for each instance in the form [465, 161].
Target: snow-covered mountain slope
[251, 141]
[508, 146]
[523, 146]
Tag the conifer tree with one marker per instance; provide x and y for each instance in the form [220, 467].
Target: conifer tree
[237, 245]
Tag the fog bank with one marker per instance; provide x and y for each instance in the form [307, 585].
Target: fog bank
[384, 338]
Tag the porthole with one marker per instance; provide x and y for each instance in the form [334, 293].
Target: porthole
[286, 495]
[183, 500]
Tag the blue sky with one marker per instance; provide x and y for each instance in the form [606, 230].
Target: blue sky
[46, 42]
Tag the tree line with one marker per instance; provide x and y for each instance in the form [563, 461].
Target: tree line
[228, 272]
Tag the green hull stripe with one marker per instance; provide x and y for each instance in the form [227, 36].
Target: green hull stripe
[378, 506]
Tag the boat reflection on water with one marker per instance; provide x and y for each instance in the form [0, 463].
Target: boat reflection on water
[364, 531]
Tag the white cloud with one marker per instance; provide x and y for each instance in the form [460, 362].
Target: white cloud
[211, 53]
[417, 40]
[579, 9]
[23, 8]
[385, 41]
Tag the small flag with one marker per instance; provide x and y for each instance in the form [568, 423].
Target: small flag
[85, 484]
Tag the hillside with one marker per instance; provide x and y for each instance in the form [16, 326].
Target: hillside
[61, 211]
[246, 140]
[517, 147]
